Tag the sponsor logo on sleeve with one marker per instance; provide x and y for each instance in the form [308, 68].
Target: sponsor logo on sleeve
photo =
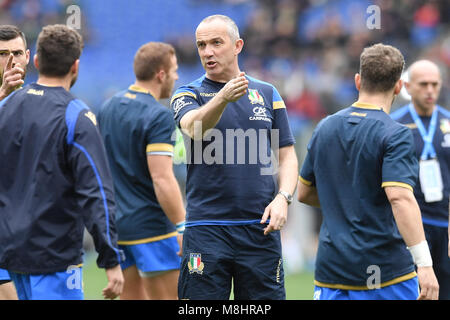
[179, 104]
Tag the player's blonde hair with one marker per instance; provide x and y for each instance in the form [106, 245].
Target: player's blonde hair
[151, 58]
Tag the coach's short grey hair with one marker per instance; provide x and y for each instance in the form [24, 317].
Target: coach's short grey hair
[232, 27]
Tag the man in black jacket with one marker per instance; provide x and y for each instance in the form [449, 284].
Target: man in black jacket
[14, 58]
[55, 180]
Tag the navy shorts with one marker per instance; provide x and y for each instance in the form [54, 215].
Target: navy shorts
[215, 257]
[437, 238]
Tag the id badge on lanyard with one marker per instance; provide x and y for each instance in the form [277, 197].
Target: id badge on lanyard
[431, 180]
[430, 172]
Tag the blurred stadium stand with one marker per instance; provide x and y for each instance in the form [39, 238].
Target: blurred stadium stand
[308, 49]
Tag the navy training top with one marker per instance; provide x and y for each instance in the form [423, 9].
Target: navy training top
[229, 175]
[351, 156]
[133, 125]
[55, 180]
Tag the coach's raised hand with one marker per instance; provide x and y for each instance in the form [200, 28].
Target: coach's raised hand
[235, 88]
[12, 77]
[211, 112]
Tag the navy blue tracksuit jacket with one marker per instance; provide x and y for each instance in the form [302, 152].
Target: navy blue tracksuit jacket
[54, 181]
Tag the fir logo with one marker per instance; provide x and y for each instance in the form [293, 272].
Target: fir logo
[255, 97]
[445, 126]
[195, 263]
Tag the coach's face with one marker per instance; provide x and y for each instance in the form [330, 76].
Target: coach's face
[21, 55]
[424, 85]
[218, 52]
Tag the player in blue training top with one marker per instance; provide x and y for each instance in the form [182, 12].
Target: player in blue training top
[55, 180]
[231, 122]
[14, 58]
[431, 122]
[361, 170]
[139, 135]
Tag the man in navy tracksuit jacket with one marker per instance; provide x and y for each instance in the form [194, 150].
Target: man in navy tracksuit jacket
[55, 180]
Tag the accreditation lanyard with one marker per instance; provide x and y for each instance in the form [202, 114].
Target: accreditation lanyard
[427, 137]
[429, 170]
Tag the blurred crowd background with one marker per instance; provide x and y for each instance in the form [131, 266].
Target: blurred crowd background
[309, 49]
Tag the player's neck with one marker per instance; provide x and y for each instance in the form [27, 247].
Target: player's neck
[151, 87]
[383, 101]
[54, 82]
[424, 112]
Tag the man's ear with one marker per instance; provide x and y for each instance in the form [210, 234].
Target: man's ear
[161, 75]
[407, 85]
[398, 87]
[358, 81]
[27, 54]
[75, 67]
[238, 46]
[36, 62]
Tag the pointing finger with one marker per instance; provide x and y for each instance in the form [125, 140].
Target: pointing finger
[9, 62]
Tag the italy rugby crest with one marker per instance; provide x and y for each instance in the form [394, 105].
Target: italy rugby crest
[255, 97]
[195, 263]
[445, 126]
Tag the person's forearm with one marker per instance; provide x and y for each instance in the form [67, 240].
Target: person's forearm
[287, 170]
[308, 195]
[196, 122]
[407, 216]
[169, 197]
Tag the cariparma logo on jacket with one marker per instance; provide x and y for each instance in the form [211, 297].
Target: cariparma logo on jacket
[255, 97]
[195, 263]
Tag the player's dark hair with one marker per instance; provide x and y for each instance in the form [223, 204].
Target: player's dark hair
[381, 66]
[150, 58]
[9, 32]
[58, 47]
